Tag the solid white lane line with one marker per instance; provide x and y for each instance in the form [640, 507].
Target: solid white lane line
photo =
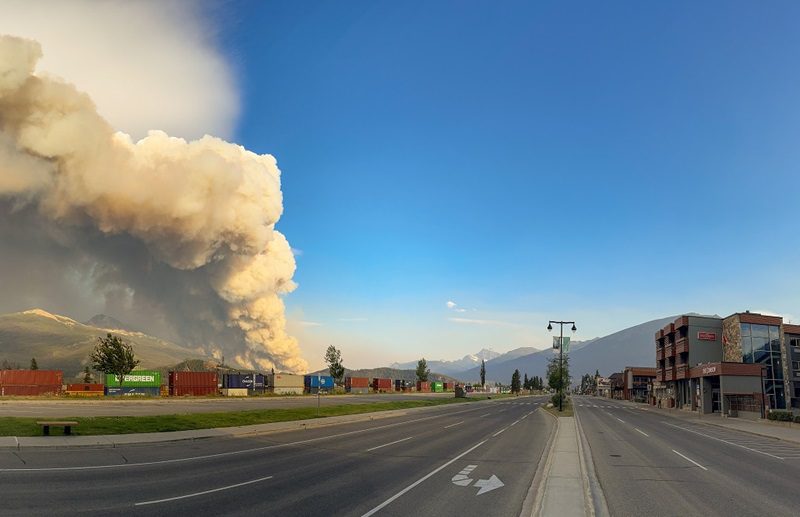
[515, 422]
[203, 492]
[388, 444]
[453, 425]
[232, 453]
[724, 441]
[688, 459]
[420, 480]
[500, 431]
[621, 420]
[639, 430]
[487, 414]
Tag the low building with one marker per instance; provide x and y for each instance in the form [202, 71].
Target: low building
[744, 363]
[638, 382]
[617, 381]
[604, 387]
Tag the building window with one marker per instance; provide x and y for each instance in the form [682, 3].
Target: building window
[761, 345]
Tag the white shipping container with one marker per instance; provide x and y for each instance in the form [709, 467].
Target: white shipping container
[290, 390]
[234, 392]
[286, 380]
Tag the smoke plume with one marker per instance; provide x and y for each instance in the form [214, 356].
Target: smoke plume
[182, 230]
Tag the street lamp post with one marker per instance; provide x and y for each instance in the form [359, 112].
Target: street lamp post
[561, 359]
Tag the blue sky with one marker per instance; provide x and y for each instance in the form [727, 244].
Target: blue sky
[603, 162]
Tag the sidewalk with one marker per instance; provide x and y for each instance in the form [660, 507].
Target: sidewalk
[757, 427]
[564, 493]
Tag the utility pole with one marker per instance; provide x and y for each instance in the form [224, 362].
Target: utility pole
[561, 359]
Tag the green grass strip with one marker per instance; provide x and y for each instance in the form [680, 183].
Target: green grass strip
[24, 426]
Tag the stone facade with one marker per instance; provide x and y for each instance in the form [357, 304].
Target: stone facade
[732, 339]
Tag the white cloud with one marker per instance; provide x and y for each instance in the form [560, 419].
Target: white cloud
[309, 323]
[146, 65]
[451, 304]
[471, 321]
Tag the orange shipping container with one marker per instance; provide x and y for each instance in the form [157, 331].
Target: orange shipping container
[85, 387]
[193, 379]
[30, 390]
[31, 377]
[356, 382]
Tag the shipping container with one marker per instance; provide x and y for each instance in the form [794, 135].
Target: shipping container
[423, 387]
[85, 390]
[21, 391]
[381, 385]
[124, 391]
[31, 377]
[234, 392]
[286, 380]
[193, 391]
[318, 381]
[437, 387]
[251, 381]
[193, 379]
[356, 382]
[136, 379]
[286, 390]
[355, 389]
[448, 386]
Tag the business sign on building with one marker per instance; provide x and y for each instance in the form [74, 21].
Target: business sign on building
[707, 336]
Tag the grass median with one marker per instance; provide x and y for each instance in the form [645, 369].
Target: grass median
[24, 426]
[567, 409]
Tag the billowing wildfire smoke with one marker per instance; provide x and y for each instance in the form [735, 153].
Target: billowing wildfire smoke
[183, 229]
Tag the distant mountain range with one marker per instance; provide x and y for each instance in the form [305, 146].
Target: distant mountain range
[451, 367]
[61, 343]
[634, 346]
[390, 373]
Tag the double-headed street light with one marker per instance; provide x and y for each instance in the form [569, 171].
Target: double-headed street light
[561, 358]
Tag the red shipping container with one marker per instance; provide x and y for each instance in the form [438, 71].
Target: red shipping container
[194, 379]
[424, 387]
[356, 382]
[85, 387]
[31, 377]
[30, 390]
[193, 391]
[382, 384]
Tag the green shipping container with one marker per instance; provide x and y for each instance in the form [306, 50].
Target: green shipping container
[137, 379]
[437, 387]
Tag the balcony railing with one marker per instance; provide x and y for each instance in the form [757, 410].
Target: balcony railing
[669, 374]
[659, 354]
[682, 345]
[669, 350]
[681, 372]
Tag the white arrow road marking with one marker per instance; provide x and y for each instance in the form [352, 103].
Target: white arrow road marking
[487, 485]
[462, 478]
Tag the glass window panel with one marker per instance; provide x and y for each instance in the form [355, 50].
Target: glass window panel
[776, 345]
[769, 387]
[774, 332]
[777, 368]
[747, 350]
[759, 356]
[745, 329]
[779, 399]
[760, 343]
[760, 330]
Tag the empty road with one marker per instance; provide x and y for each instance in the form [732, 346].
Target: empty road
[463, 459]
[649, 463]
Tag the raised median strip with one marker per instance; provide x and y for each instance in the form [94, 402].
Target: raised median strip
[208, 425]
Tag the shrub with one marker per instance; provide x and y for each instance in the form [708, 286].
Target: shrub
[797, 419]
[781, 416]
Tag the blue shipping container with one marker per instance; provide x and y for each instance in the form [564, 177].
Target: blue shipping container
[243, 380]
[319, 381]
[112, 391]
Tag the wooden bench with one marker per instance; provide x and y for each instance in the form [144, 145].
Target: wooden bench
[67, 425]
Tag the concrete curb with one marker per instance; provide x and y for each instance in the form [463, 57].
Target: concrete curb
[114, 440]
[595, 497]
[533, 499]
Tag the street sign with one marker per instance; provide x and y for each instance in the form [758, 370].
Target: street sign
[556, 343]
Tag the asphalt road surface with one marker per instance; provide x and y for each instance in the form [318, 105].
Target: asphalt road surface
[125, 406]
[462, 459]
[652, 464]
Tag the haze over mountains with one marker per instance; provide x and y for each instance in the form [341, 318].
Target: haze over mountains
[634, 346]
[59, 342]
[452, 367]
